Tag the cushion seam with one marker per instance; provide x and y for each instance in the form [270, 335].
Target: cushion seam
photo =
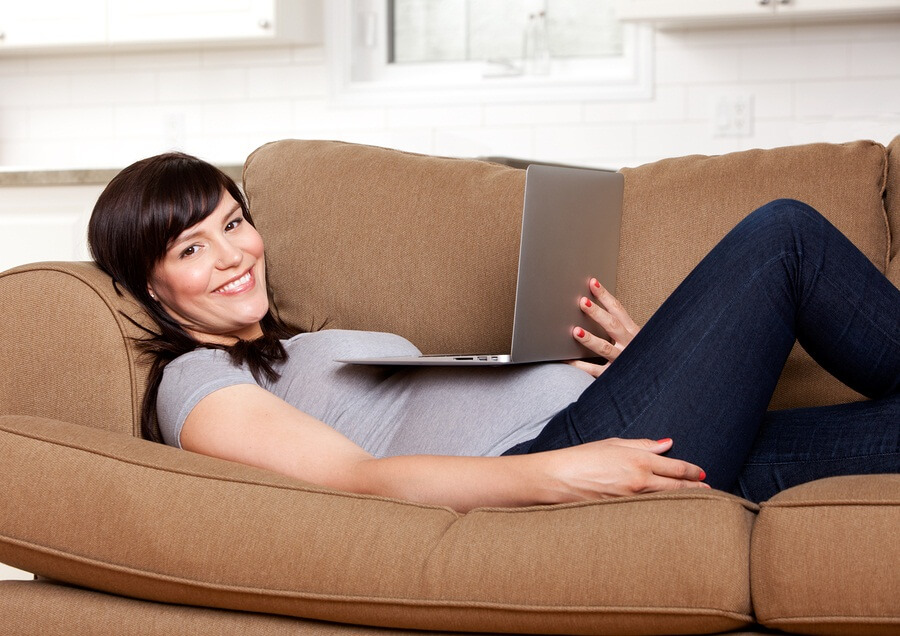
[835, 618]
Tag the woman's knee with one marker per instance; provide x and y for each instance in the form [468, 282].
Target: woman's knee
[791, 212]
[787, 218]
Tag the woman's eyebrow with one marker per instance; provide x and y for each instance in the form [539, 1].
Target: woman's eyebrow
[187, 235]
[190, 233]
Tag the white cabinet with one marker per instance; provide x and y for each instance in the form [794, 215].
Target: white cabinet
[133, 21]
[675, 13]
[51, 22]
[54, 25]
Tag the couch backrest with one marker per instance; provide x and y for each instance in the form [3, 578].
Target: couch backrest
[369, 238]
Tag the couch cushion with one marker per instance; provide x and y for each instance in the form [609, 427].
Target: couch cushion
[892, 206]
[368, 238]
[677, 209]
[129, 517]
[825, 557]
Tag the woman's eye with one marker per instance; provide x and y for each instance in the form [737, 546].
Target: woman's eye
[189, 251]
[234, 223]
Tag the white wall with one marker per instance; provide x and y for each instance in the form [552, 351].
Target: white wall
[833, 82]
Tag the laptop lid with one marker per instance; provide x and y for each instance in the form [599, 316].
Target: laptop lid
[570, 232]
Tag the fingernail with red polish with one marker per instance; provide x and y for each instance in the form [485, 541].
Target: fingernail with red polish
[587, 302]
[702, 474]
[579, 332]
[664, 440]
[597, 283]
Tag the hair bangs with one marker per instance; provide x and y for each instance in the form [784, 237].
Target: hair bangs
[180, 197]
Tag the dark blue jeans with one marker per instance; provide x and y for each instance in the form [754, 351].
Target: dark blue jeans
[703, 368]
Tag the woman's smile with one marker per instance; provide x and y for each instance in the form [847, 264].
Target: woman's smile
[238, 285]
[212, 279]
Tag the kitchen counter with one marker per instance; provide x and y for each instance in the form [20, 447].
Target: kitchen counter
[14, 177]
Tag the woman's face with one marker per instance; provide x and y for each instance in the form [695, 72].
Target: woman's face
[211, 279]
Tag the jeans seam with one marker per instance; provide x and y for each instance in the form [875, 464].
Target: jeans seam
[818, 461]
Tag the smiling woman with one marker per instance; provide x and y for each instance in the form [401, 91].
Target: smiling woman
[212, 277]
[176, 233]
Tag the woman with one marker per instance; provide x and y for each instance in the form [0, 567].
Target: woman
[230, 381]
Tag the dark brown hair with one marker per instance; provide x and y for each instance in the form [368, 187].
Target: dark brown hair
[144, 208]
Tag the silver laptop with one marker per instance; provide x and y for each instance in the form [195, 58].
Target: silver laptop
[570, 233]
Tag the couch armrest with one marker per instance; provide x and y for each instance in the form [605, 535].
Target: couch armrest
[122, 515]
[67, 349]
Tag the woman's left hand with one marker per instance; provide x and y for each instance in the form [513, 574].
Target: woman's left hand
[605, 310]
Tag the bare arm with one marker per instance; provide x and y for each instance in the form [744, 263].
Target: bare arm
[247, 424]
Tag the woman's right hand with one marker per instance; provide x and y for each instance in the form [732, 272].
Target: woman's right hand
[616, 467]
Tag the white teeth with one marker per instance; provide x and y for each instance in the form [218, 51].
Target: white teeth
[243, 280]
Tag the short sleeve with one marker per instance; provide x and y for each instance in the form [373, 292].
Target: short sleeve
[187, 380]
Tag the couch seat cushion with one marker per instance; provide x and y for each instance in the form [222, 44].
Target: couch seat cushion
[129, 517]
[826, 557]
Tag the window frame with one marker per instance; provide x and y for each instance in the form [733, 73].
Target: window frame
[357, 40]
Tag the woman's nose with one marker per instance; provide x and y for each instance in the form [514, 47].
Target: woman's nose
[229, 255]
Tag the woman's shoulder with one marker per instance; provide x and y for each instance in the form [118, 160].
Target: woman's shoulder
[199, 356]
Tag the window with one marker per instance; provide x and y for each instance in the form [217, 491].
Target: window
[512, 30]
[441, 51]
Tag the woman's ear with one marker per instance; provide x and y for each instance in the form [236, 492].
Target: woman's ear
[150, 291]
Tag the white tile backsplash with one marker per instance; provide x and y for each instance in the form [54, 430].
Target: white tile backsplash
[856, 99]
[431, 116]
[533, 114]
[698, 65]
[810, 82]
[795, 62]
[875, 59]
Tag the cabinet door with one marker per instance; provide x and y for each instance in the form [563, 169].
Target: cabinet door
[28, 23]
[672, 10]
[190, 20]
[837, 8]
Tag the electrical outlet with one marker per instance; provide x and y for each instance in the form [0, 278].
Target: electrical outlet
[733, 116]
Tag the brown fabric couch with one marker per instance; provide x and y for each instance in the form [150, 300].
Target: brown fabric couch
[132, 537]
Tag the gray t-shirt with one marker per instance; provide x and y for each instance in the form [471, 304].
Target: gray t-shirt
[474, 411]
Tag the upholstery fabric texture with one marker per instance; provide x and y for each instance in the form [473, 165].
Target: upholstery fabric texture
[804, 578]
[381, 240]
[68, 347]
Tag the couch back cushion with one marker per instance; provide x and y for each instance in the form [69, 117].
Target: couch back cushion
[368, 238]
[677, 209]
